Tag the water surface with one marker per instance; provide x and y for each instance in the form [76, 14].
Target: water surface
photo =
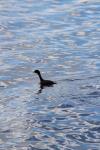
[61, 38]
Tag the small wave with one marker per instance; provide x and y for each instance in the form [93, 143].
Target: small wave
[65, 106]
[95, 94]
[92, 77]
[95, 129]
[70, 80]
[33, 138]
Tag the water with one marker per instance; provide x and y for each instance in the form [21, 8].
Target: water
[61, 38]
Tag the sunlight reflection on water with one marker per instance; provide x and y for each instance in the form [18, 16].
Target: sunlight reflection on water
[61, 38]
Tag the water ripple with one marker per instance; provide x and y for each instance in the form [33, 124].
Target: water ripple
[60, 38]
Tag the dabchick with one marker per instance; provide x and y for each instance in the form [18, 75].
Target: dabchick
[42, 81]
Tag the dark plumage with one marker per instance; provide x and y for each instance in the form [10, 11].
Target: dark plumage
[42, 81]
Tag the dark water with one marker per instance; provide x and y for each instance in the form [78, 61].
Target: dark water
[62, 39]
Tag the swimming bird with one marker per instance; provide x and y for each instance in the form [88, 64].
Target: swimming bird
[42, 81]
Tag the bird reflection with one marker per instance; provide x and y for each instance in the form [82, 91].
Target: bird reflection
[42, 87]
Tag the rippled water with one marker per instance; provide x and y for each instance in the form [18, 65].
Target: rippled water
[61, 38]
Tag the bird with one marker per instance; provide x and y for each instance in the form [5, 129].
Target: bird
[42, 81]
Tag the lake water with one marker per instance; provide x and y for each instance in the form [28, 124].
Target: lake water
[62, 39]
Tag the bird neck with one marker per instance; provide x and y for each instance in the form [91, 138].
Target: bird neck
[41, 79]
